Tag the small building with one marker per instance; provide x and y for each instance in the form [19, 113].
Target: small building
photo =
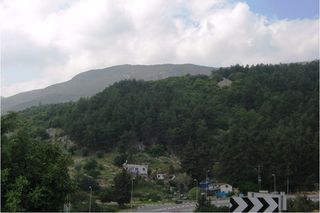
[226, 188]
[160, 176]
[204, 185]
[136, 169]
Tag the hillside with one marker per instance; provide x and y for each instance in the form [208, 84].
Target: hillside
[91, 82]
[266, 117]
[225, 126]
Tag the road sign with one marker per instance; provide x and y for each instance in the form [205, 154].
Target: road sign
[254, 204]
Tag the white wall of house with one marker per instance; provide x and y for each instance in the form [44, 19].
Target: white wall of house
[226, 188]
[136, 169]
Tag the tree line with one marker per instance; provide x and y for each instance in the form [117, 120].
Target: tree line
[267, 118]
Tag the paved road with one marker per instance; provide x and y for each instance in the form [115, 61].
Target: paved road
[190, 206]
[222, 202]
[168, 207]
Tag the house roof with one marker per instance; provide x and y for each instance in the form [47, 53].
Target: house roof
[220, 184]
[135, 165]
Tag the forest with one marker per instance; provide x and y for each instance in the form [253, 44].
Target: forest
[266, 120]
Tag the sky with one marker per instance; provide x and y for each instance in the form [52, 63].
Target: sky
[45, 42]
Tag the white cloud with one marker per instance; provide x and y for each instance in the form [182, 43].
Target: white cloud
[54, 40]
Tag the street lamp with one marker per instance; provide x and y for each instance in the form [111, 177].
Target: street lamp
[259, 178]
[131, 200]
[288, 173]
[90, 198]
[197, 192]
[274, 182]
[207, 184]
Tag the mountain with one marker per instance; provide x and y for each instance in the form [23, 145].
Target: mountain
[268, 116]
[91, 82]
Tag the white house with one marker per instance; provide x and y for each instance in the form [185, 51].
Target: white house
[136, 169]
[226, 188]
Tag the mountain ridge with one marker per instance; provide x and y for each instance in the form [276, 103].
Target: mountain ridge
[90, 82]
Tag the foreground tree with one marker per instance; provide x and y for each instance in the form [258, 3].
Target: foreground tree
[122, 186]
[34, 173]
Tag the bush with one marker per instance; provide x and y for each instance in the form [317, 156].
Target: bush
[160, 182]
[106, 195]
[72, 149]
[192, 194]
[92, 168]
[84, 152]
[79, 196]
[84, 182]
[120, 159]
[100, 154]
[77, 167]
[154, 197]
[39, 132]
[157, 150]
[93, 173]
[302, 204]
[246, 187]
[91, 165]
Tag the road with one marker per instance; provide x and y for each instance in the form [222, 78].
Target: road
[222, 202]
[190, 206]
[172, 207]
[168, 207]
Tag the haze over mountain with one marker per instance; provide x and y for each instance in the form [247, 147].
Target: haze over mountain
[91, 82]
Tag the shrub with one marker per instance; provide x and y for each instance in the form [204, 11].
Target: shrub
[302, 204]
[246, 187]
[154, 197]
[99, 154]
[157, 150]
[92, 168]
[106, 195]
[192, 194]
[78, 196]
[72, 149]
[77, 167]
[120, 159]
[84, 182]
[84, 152]
[160, 182]
[90, 165]
[93, 173]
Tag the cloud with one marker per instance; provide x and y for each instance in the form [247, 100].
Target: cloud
[45, 42]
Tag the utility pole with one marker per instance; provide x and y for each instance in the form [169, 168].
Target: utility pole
[197, 192]
[90, 198]
[259, 178]
[207, 185]
[287, 185]
[288, 173]
[274, 181]
[131, 200]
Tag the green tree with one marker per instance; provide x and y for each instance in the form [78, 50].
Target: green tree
[122, 187]
[302, 204]
[35, 174]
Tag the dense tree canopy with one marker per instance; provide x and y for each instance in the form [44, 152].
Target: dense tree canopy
[267, 117]
[34, 172]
